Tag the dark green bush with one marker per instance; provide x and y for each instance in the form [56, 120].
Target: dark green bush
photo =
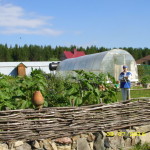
[84, 89]
[139, 146]
[145, 79]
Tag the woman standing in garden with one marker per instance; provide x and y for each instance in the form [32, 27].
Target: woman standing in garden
[125, 83]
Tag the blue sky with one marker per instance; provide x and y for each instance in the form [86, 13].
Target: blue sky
[107, 23]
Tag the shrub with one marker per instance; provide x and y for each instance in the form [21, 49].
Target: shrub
[145, 79]
[87, 88]
[84, 89]
[17, 92]
[139, 146]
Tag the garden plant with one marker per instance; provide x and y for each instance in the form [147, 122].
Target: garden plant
[83, 89]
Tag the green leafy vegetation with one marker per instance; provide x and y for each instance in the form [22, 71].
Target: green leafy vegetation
[145, 79]
[144, 73]
[17, 92]
[139, 146]
[87, 88]
[84, 89]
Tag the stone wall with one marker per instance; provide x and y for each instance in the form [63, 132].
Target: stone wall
[113, 140]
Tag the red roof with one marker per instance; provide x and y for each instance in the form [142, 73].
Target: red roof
[73, 54]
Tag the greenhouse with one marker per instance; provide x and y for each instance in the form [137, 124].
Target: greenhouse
[105, 62]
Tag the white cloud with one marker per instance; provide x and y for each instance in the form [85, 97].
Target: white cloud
[13, 17]
[43, 31]
[77, 32]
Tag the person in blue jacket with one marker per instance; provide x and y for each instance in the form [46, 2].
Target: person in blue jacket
[125, 83]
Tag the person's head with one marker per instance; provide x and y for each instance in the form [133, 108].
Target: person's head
[125, 68]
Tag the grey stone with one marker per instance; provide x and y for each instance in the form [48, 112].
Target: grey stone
[3, 146]
[99, 142]
[18, 143]
[137, 140]
[141, 129]
[145, 138]
[84, 136]
[126, 133]
[90, 137]
[41, 144]
[47, 145]
[35, 144]
[91, 144]
[10, 145]
[128, 142]
[75, 138]
[116, 142]
[53, 144]
[74, 145]
[82, 144]
[65, 147]
[38, 149]
[64, 140]
[24, 146]
[106, 142]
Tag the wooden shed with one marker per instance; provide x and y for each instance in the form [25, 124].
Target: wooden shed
[21, 70]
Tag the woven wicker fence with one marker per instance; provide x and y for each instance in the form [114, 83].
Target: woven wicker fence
[57, 122]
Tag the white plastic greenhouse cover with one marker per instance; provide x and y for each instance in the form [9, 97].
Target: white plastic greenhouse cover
[106, 62]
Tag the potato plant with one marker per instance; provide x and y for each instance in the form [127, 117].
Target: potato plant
[87, 88]
[17, 92]
[83, 89]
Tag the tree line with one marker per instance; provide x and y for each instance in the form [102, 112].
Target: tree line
[47, 53]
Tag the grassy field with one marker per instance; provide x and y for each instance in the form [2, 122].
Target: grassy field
[135, 94]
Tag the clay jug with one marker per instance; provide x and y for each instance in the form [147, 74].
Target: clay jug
[38, 99]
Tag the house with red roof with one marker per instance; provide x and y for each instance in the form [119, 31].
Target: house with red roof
[72, 54]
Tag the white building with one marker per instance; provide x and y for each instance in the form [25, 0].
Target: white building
[10, 68]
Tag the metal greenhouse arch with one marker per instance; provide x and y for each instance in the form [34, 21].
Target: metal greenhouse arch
[105, 62]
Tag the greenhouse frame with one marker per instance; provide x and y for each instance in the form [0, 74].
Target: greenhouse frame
[110, 61]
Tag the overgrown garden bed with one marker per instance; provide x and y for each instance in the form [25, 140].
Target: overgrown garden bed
[84, 89]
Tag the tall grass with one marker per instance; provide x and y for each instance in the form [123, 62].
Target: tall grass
[145, 146]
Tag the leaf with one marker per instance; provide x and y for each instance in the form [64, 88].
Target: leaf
[72, 91]
[23, 105]
[19, 93]
[97, 92]
[90, 87]
[78, 101]
[85, 98]
[45, 104]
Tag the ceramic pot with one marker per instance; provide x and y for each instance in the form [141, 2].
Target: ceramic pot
[38, 99]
